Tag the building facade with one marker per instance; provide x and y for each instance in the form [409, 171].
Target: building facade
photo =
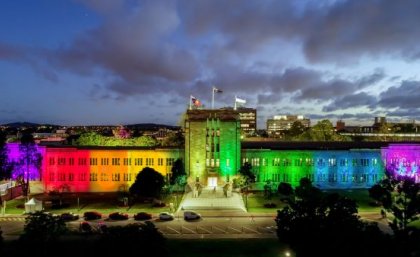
[280, 123]
[212, 156]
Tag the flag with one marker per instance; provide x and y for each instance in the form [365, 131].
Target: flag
[217, 90]
[239, 100]
[195, 101]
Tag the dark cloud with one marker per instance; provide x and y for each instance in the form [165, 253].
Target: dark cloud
[339, 32]
[405, 96]
[134, 47]
[351, 101]
[303, 84]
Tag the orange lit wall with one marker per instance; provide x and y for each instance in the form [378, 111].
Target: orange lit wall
[103, 169]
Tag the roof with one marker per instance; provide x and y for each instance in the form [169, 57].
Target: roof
[282, 145]
[222, 114]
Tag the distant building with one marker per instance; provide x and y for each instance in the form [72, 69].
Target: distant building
[281, 123]
[248, 119]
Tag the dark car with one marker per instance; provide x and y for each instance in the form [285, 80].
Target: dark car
[92, 215]
[142, 216]
[69, 216]
[118, 216]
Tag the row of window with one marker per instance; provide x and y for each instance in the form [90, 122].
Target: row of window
[93, 176]
[331, 162]
[114, 161]
[342, 178]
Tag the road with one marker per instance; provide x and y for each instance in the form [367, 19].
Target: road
[211, 226]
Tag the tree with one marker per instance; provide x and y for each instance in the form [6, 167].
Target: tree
[400, 196]
[268, 190]
[174, 139]
[30, 159]
[178, 175]
[306, 190]
[149, 183]
[313, 220]
[285, 189]
[323, 131]
[5, 166]
[296, 130]
[41, 227]
[246, 172]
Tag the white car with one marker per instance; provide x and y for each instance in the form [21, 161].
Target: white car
[191, 215]
[166, 216]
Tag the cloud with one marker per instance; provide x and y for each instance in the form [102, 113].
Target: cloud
[135, 48]
[405, 96]
[303, 84]
[351, 101]
[334, 32]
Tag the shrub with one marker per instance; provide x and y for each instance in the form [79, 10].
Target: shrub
[270, 205]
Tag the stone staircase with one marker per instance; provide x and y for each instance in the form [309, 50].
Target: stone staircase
[211, 199]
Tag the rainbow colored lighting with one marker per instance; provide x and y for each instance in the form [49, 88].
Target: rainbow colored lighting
[15, 157]
[402, 160]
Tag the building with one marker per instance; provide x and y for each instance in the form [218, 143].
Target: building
[281, 123]
[247, 118]
[213, 154]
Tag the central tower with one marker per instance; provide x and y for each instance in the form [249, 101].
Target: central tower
[212, 146]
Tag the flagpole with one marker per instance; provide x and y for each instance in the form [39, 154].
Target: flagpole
[212, 99]
[234, 108]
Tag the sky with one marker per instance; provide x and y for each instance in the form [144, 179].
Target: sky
[86, 62]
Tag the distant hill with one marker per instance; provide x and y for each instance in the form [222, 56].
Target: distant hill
[151, 126]
[28, 124]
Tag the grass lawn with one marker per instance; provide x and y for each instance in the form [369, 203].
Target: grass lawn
[226, 247]
[256, 201]
[361, 196]
[104, 203]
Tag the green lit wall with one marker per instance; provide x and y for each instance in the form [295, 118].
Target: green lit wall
[212, 145]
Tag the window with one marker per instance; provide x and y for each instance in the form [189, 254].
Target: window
[138, 161]
[299, 162]
[255, 161]
[227, 162]
[71, 176]
[374, 162]
[207, 162]
[82, 176]
[127, 161]
[309, 162]
[320, 162]
[170, 161]
[212, 162]
[276, 162]
[52, 161]
[61, 176]
[93, 176]
[116, 177]
[93, 161]
[127, 176]
[149, 162]
[354, 162]
[116, 161]
[244, 160]
[52, 177]
[332, 162]
[264, 162]
[61, 161]
[160, 161]
[82, 161]
[287, 162]
[71, 161]
[344, 162]
[364, 162]
[104, 161]
[104, 176]
[217, 162]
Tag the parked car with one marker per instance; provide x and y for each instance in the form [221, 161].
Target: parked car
[166, 216]
[118, 216]
[191, 215]
[142, 216]
[92, 215]
[69, 216]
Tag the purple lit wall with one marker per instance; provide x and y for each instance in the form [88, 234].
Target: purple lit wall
[15, 156]
[402, 160]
